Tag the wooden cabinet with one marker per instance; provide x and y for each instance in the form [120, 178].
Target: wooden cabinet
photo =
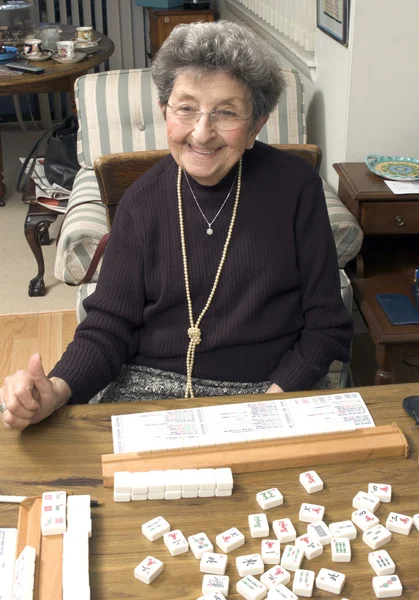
[163, 21]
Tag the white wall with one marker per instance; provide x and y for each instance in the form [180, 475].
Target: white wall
[365, 97]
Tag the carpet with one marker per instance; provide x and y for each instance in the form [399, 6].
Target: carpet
[17, 263]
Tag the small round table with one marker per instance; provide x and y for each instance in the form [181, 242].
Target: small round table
[56, 78]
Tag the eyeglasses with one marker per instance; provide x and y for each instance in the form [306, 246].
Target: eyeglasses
[220, 119]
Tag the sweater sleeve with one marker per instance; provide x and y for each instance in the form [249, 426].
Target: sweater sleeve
[327, 332]
[108, 336]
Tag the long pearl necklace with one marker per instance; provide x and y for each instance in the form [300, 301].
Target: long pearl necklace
[210, 230]
[194, 331]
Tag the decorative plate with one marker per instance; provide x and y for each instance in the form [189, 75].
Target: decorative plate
[46, 54]
[398, 168]
[88, 47]
[69, 61]
[9, 54]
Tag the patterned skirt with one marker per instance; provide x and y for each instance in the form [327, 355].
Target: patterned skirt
[136, 383]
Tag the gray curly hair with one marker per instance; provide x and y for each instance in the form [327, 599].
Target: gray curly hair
[220, 46]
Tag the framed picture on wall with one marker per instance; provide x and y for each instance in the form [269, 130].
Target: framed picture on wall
[333, 19]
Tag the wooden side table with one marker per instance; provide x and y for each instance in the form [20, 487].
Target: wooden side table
[386, 263]
[389, 222]
[163, 21]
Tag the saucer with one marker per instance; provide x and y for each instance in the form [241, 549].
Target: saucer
[46, 54]
[88, 47]
[69, 61]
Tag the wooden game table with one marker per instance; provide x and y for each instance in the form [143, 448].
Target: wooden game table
[65, 451]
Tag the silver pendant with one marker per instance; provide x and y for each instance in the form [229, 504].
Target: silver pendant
[209, 231]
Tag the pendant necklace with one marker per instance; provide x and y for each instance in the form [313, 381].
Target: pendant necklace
[194, 330]
[210, 230]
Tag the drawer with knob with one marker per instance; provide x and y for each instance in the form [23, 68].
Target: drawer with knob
[384, 218]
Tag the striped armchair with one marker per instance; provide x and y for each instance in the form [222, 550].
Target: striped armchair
[118, 112]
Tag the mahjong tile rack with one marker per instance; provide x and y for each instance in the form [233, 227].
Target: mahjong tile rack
[49, 550]
[361, 444]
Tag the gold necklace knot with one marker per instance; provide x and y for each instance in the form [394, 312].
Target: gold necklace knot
[195, 335]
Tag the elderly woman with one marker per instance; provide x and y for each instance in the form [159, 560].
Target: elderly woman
[220, 276]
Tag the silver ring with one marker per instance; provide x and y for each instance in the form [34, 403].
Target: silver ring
[3, 407]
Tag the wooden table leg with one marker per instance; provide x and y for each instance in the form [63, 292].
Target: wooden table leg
[37, 223]
[2, 186]
[385, 372]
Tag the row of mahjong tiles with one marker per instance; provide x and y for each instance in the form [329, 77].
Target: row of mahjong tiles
[273, 582]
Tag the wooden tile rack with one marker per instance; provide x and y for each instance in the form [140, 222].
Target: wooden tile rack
[49, 550]
[362, 444]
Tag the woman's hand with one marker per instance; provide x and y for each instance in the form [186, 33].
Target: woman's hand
[274, 389]
[29, 396]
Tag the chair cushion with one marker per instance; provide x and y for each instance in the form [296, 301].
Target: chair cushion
[115, 117]
[346, 230]
[82, 229]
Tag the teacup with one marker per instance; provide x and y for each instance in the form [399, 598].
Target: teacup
[66, 49]
[33, 47]
[84, 34]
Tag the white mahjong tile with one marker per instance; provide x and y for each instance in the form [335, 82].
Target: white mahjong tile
[281, 593]
[341, 549]
[190, 493]
[206, 493]
[258, 525]
[206, 479]
[189, 479]
[363, 500]
[224, 478]
[136, 497]
[139, 483]
[213, 596]
[122, 482]
[250, 588]
[381, 490]
[155, 528]
[213, 563]
[54, 513]
[24, 571]
[329, 580]
[284, 530]
[274, 576]
[156, 481]
[303, 583]
[399, 523]
[175, 542]
[249, 564]
[172, 481]
[220, 493]
[170, 495]
[270, 551]
[215, 583]
[148, 569]
[121, 496]
[269, 498]
[156, 495]
[387, 586]
[309, 513]
[230, 539]
[376, 537]
[311, 547]
[200, 543]
[320, 532]
[344, 529]
[416, 521]
[364, 519]
[311, 482]
[381, 562]
[292, 557]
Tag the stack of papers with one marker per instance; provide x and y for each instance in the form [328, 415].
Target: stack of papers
[50, 195]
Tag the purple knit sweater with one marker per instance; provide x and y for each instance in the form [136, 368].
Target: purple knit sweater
[277, 313]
